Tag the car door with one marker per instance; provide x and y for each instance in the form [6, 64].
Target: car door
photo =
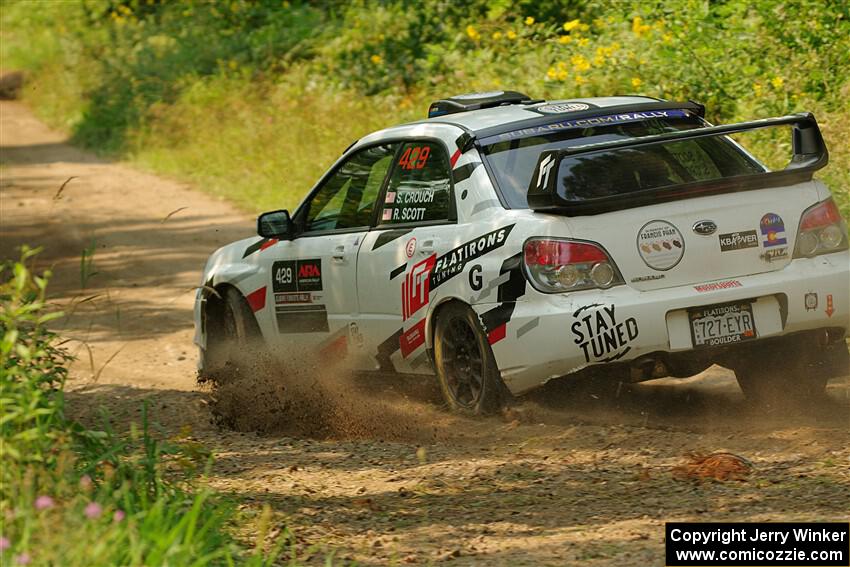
[314, 274]
[414, 225]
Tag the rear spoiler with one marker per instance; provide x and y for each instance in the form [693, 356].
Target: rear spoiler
[809, 155]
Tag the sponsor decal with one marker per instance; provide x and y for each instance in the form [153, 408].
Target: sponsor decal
[289, 298]
[297, 275]
[410, 247]
[772, 230]
[592, 122]
[717, 286]
[454, 261]
[829, 307]
[476, 281]
[705, 227]
[738, 240]
[416, 287]
[543, 172]
[412, 338]
[600, 335]
[660, 245]
[648, 278]
[775, 254]
[301, 318]
[811, 301]
[562, 107]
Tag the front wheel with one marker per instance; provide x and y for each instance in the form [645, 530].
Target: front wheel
[466, 369]
[233, 336]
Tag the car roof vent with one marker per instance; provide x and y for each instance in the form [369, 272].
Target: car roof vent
[475, 101]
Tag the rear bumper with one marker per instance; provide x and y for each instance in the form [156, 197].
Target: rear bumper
[550, 336]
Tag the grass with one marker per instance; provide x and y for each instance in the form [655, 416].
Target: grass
[83, 497]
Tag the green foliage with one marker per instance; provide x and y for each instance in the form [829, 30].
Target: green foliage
[254, 99]
[79, 497]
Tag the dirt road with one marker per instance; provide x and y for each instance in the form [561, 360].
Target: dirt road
[567, 476]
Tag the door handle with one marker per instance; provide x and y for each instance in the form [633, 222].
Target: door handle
[339, 252]
[429, 245]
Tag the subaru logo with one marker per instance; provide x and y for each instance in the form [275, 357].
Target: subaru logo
[705, 227]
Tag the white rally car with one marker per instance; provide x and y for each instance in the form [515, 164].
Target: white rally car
[504, 242]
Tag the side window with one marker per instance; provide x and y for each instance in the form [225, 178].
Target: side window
[347, 198]
[420, 186]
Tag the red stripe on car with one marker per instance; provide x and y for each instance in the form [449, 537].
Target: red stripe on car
[268, 244]
[257, 299]
[455, 157]
[497, 334]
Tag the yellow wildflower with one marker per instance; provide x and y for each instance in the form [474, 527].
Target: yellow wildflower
[636, 82]
[529, 20]
[472, 33]
[667, 37]
[580, 62]
[777, 82]
[583, 41]
[562, 75]
[232, 64]
[599, 60]
[580, 80]
[599, 23]
[638, 27]
[497, 35]
[615, 46]
[757, 88]
[551, 73]
[377, 59]
[583, 27]
[511, 34]
[561, 65]
[571, 25]
[565, 39]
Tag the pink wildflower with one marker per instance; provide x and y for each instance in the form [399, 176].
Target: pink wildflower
[85, 482]
[23, 559]
[43, 503]
[93, 510]
[5, 543]
[118, 516]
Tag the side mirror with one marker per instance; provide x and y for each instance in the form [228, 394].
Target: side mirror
[275, 224]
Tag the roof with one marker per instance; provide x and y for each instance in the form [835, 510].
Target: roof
[484, 118]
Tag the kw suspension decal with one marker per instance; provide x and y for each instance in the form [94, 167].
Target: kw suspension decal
[601, 337]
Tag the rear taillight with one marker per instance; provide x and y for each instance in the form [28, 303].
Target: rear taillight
[822, 231]
[555, 265]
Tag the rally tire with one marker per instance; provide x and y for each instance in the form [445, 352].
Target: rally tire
[467, 373]
[234, 339]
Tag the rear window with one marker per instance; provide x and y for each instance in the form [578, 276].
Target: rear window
[513, 157]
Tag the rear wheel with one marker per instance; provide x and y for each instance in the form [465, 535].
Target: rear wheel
[233, 336]
[786, 372]
[466, 369]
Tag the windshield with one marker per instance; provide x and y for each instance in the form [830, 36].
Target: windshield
[513, 156]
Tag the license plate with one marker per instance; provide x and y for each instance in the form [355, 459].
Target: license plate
[724, 324]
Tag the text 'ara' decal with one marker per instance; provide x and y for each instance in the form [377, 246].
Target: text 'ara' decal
[600, 335]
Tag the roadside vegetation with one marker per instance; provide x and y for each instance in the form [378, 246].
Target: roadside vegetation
[75, 496]
[253, 99]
